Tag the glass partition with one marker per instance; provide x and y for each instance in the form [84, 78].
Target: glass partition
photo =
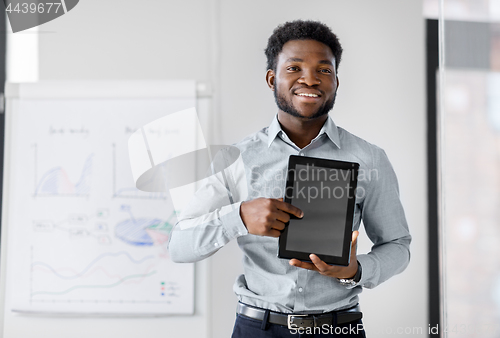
[469, 134]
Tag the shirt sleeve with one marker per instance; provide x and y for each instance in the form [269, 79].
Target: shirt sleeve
[385, 224]
[212, 216]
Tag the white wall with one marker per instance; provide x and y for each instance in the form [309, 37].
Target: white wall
[117, 39]
[381, 98]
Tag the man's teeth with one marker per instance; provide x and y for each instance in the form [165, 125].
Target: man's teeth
[308, 95]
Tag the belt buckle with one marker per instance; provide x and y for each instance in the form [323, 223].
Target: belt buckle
[290, 317]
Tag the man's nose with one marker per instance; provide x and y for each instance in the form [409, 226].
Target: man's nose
[309, 78]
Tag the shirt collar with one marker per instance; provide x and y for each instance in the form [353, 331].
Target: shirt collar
[329, 128]
[273, 130]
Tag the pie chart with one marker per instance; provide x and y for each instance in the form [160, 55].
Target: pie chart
[143, 231]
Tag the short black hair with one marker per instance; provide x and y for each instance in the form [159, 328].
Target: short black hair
[301, 30]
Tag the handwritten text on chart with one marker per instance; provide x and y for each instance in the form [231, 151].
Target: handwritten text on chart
[81, 131]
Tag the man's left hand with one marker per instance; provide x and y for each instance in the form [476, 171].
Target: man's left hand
[332, 270]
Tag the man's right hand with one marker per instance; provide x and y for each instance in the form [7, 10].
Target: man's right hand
[267, 216]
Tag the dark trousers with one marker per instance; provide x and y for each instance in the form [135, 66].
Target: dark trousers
[250, 328]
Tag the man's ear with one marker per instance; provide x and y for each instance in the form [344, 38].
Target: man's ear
[337, 82]
[270, 77]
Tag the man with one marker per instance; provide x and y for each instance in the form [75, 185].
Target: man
[244, 202]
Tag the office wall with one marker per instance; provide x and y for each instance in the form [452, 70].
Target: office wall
[221, 42]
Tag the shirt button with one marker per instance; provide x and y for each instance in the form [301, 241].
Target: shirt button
[300, 289]
[216, 244]
[302, 154]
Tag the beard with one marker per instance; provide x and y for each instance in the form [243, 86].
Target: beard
[288, 107]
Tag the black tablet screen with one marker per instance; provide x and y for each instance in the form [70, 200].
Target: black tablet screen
[322, 193]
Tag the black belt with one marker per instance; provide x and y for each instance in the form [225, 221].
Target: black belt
[293, 321]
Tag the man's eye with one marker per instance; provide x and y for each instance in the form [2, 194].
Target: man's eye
[293, 68]
[326, 71]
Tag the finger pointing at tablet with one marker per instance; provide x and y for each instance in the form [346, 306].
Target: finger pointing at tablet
[267, 216]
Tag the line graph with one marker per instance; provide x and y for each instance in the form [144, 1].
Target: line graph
[91, 286]
[106, 277]
[95, 269]
[87, 268]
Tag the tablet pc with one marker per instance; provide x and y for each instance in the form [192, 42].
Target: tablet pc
[325, 191]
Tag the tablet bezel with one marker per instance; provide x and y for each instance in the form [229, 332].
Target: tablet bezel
[329, 164]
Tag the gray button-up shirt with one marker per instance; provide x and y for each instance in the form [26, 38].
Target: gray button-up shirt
[212, 219]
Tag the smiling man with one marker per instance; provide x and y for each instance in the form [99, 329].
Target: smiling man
[277, 297]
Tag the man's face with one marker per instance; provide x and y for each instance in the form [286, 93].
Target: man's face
[305, 82]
